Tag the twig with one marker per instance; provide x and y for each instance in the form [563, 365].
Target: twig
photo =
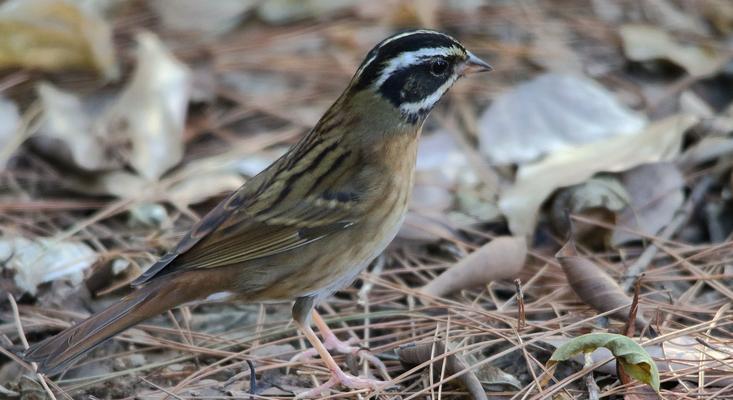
[682, 215]
[521, 318]
[590, 383]
[24, 341]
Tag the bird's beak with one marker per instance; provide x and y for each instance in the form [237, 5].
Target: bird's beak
[473, 65]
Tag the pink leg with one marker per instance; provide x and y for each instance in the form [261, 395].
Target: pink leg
[337, 375]
[331, 342]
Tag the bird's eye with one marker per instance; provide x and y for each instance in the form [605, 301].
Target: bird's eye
[438, 67]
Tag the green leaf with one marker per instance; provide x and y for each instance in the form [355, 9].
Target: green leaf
[633, 358]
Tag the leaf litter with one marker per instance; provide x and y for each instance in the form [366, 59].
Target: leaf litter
[102, 176]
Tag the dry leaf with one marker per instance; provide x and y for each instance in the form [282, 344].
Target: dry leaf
[53, 35]
[551, 113]
[594, 287]
[649, 43]
[199, 16]
[501, 258]
[720, 14]
[283, 11]
[551, 49]
[598, 198]
[44, 260]
[535, 182]
[656, 195]
[413, 354]
[666, 14]
[439, 154]
[72, 132]
[151, 111]
[426, 228]
[204, 186]
[9, 130]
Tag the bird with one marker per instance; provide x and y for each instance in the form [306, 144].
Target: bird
[309, 223]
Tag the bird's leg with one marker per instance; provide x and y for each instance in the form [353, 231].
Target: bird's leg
[333, 343]
[301, 313]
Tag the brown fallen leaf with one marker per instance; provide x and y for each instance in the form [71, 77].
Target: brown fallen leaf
[413, 354]
[502, 258]
[593, 286]
[53, 35]
[655, 192]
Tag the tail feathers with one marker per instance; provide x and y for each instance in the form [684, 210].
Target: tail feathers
[56, 353]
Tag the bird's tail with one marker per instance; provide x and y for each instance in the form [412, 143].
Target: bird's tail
[56, 353]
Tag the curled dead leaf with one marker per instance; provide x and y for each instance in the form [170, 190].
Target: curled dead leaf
[598, 199]
[675, 354]
[413, 354]
[502, 258]
[634, 359]
[593, 286]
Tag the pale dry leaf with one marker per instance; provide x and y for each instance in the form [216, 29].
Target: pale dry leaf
[206, 177]
[44, 260]
[660, 141]
[9, 130]
[649, 43]
[430, 198]
[551, 49]
[200, 16]
[71, 132]
[666, 14]
[708, 149]
[439, 154]
[719, 13]
[420, 227]
[551, 113]
[283, 11]
[122, 184]
[54, 35]
[202, 187]
[656, 195]
[151, 110]
[501, 258]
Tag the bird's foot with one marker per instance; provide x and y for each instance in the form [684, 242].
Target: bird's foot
[333, 343]
[346, 380]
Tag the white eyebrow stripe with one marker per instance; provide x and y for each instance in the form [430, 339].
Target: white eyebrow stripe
[408, 58]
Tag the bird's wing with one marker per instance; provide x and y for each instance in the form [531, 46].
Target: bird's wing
[244, 227]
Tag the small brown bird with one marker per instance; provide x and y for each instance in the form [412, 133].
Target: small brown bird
[313, 220]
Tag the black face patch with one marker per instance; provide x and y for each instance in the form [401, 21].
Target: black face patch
[416, 82]
[382, 53]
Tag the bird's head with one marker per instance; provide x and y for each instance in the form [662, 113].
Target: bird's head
[413, 70]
